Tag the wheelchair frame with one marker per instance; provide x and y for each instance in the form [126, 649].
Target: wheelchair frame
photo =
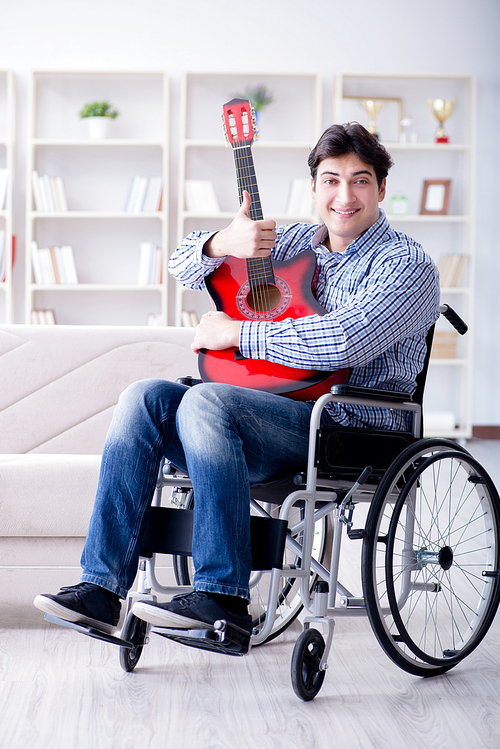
[430, 560]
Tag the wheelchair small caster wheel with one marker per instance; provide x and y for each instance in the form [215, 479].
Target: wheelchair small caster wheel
[135, 631]
[307, 677]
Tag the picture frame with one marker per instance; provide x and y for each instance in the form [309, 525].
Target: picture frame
[435, 197]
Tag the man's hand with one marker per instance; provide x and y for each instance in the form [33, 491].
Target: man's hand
[243, 238]
[216, 331]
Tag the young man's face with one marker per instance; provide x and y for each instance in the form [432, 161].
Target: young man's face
[347, 195]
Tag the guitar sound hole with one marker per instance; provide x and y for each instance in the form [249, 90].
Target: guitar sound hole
[264, 297]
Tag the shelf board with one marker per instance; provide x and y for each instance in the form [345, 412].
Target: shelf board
[228, 215]
[446, 362]
[128, 142]
[96, 214]
[443, 147]
[278, 144]
[95, 287]
[427, 218]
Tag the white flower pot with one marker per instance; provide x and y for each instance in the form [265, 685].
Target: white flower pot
[97, 127]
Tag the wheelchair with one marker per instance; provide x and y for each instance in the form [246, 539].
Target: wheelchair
[429, 562]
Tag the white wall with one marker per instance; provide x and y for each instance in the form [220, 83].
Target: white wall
[324, 36]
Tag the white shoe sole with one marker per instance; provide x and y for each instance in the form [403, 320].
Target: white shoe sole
[48, 606]
[163, 618]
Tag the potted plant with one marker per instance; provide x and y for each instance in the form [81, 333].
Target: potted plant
[98, 115]
[259, 97]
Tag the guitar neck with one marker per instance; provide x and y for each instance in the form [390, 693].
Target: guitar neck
[260, 270]
[247, 180]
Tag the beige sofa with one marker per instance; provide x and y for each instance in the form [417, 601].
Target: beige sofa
[58, 389]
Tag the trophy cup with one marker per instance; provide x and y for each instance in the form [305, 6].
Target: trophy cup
[442, 110]
[372, 107]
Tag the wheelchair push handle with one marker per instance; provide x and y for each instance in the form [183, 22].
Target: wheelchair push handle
[452, 317]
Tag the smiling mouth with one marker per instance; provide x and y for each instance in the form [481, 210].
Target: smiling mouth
[345, 213]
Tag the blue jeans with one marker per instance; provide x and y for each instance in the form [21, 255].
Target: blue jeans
[226, 438]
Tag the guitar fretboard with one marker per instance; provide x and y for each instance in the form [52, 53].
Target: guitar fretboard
[260, 270]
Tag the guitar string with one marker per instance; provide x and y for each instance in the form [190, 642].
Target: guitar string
[259, 269]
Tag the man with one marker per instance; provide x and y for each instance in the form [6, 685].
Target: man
[381, 293]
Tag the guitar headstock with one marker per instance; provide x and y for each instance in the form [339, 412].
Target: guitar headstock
[239, 122]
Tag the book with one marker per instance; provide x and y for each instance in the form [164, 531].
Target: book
[150, 264]
[152, 201]
[36, 264]
[68, 261]
[48, 271]
[189, 318]
[451, 267]
[141, 195]
[37, 192]
[4, 178]
[145, 255]
[59, 193]
[200, 197]
[132, 194]
[300, 202]
[58, 260]
[47, 195]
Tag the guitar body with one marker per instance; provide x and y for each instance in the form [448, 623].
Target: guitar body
[289, 296]
[257, 289]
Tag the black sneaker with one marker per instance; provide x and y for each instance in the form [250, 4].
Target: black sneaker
[196, 610]
[84, 603]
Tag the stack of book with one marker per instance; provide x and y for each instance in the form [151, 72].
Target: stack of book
[3, 258]
[189, 318]
[53, 265]
[144, 195]
[43, 317]
[451, 269]
[150, 264]
[49, 193]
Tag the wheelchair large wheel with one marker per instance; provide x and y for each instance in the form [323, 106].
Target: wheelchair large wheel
[431, 557]
[289, 603]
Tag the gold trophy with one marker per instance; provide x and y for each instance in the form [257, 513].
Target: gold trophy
[372, 107]
[442, 109]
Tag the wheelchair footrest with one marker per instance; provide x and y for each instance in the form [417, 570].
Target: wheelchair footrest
[225, 638]
[84, 629]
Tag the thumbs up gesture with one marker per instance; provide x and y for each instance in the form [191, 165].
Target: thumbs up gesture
[243, 238]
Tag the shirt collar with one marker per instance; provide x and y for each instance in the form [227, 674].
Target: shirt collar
[366, 241]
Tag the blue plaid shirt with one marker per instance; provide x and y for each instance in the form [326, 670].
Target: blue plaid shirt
[381, 295]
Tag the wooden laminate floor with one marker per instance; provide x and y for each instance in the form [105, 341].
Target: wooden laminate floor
[61, 690]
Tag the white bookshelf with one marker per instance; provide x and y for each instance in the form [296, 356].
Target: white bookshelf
[449, 382]
[97, 174]
[289, 127]
[7, 141]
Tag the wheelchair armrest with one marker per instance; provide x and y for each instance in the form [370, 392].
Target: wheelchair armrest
[360, 396]
[370, 393]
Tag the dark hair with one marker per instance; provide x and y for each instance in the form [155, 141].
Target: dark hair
[339, 140]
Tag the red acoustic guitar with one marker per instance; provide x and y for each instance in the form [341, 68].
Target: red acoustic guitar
[255, 290]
